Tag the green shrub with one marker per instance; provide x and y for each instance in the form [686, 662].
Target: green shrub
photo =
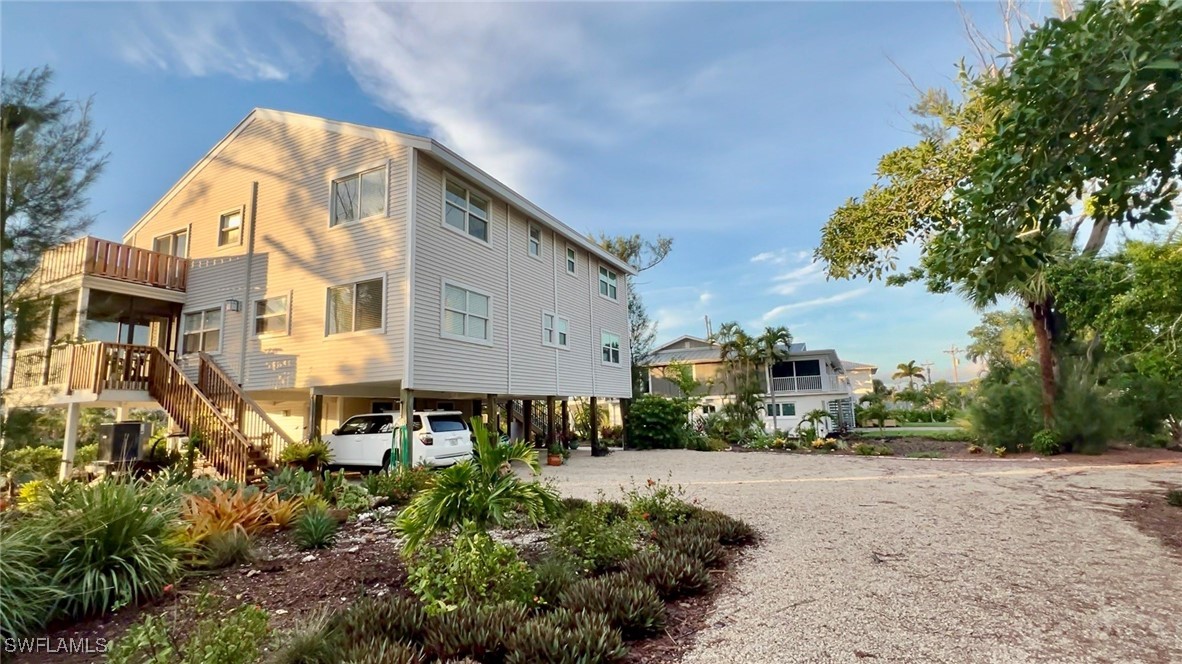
[574, 504]
[236, 637]
[145, 642]
[484, 492]
[1088, 415]
[1007, 409]
[478, 631]
[865, 449]
[555, 573]
[315, 529]
[352, 497]
[613, 511]
[695, 539]
[1044, 443]
[308, 454]
[727, 529]
[1174, 497]
[31, 463]
[399, 485]
[658, 503]
[474, 569]
[671, 573]
[85, 455]
[656, 422]
[27, 590]
[596, 537]
[310, 642]
[630, 605]
[226, 548]
[566, 637]
[290, 482]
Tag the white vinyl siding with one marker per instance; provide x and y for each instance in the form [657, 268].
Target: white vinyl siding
[466, 314]
[202, 331]
[359, 196]
[271, 315]
[555, 330]
[230, 229]
[465, 211]
[355, 307]
[611, 347]
[608, 281]
[173, 244]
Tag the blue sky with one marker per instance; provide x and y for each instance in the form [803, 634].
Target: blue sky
[734, 128]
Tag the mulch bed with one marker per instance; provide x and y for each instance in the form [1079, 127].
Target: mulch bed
[1155, 517]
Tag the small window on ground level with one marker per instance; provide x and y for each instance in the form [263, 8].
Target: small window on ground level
[359, 196]
[384, 406]
[202, 331]
[571, 265]
[355, 307]
[230, 229]
[611, 348]
[173, 244]
[607, 283]
[535, 241]
[465, 211]
[781, 409]
[465, 313]
[270, 315]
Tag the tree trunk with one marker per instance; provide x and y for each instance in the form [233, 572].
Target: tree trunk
[771, 389]
[1040, 313]
[1097, 237]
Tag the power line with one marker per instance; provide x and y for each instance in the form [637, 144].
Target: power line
[955, 353]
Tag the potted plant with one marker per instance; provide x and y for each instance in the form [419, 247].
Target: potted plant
[309, 455]
[554, 456]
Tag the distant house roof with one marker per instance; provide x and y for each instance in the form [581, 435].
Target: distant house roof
[691, 350]
[858, 366]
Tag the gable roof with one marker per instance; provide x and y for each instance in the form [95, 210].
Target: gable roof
[692, 350]
[427, 145]
[858, 366]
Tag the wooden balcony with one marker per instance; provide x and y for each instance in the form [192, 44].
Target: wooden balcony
[91, 256]
[91, 368]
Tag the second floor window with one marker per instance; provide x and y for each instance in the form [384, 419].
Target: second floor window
[611, 348]
[570, 261]
[465, 211]
[359, 196]
[465, 313]
[355, 307]
[607, 283]
[535, 241]
[202, 331]
[555, 330]
[173, 244]
[230, 229]
[270, 316]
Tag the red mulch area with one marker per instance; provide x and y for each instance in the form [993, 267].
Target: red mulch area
[1155, 517]
[288, 583]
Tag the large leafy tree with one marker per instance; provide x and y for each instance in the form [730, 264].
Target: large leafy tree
[908, 371]
[1003, 337]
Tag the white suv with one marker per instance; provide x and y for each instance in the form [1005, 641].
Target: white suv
[438, 438]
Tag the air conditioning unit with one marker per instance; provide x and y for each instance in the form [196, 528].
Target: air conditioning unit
[122, 443]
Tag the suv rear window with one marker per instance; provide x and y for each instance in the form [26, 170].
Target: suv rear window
[442, 423]
[367, 424]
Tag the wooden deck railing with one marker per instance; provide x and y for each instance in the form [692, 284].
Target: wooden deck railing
[103, 258]
[239, 408]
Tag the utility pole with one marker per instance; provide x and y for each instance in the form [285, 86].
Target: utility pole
[928, 367]
[955, 353]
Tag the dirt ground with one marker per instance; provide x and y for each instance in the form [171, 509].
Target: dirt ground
[931, 560]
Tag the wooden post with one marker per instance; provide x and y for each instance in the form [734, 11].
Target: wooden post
[70, 445]
[50, 333]
[550, 439]
[492, 415]
[565, 420]
[509, 418]
[625, 407]
[315, 410]
[596, 449]
[527, 420]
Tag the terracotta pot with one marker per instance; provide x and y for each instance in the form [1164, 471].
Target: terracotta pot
[554, 459]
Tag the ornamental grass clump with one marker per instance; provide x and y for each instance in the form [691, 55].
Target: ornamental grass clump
[695, 539]
[672, 574]
[566, 637]
[315, 529]
[729, 530]
[630, 605]
[478, 631]
[27, 590]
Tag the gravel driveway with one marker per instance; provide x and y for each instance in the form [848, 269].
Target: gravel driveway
[912, 560]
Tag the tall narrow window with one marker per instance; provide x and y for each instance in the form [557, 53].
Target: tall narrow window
[465, 314]
[535, 241]
[571, 265]
[611, 347]
[465, 211]
[173, 244]
[202, 331]
[359, 196]
[355, 307]
[230, 229]
[607, 283]
[271, 315]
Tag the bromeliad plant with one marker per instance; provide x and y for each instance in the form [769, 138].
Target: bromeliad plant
[484, 492]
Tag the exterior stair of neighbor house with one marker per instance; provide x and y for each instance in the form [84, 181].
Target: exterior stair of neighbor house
[539, 419]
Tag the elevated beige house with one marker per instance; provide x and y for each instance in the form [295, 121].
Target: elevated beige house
[307, 270]
[807, 380]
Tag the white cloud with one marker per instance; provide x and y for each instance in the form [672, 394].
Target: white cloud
[207, 39]
[793, 280]
[705, 297]
[810, 304]
[768, 257]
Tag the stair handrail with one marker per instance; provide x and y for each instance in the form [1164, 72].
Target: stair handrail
[237, 464]
[250, 403]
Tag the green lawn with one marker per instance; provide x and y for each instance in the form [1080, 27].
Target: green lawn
[909, 432]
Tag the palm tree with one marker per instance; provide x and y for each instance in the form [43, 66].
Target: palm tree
[909, 370]
[772, 346]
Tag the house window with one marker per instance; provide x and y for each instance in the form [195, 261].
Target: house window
[611, 348]
[607, 283]
[203, 331]
[270, 315]
[555, 330]
[465, 313]
[173, 244]
[359, 196]
[781, 409]
[355, 307]
[570, 261]
[465, 211]
[535, 241]
[230, 229]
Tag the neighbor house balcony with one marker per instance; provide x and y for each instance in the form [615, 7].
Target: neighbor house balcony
[79, 372]
[91, 257]
[800, 384]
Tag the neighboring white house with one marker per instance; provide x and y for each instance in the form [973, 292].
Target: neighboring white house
[860, 376]
[307, 270]
[808, 380]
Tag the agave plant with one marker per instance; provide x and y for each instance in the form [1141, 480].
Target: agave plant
[483, 491]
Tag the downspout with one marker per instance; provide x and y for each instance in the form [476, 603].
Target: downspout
[409, 282]
[557, 357]
[246, 302]
[509, 299]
